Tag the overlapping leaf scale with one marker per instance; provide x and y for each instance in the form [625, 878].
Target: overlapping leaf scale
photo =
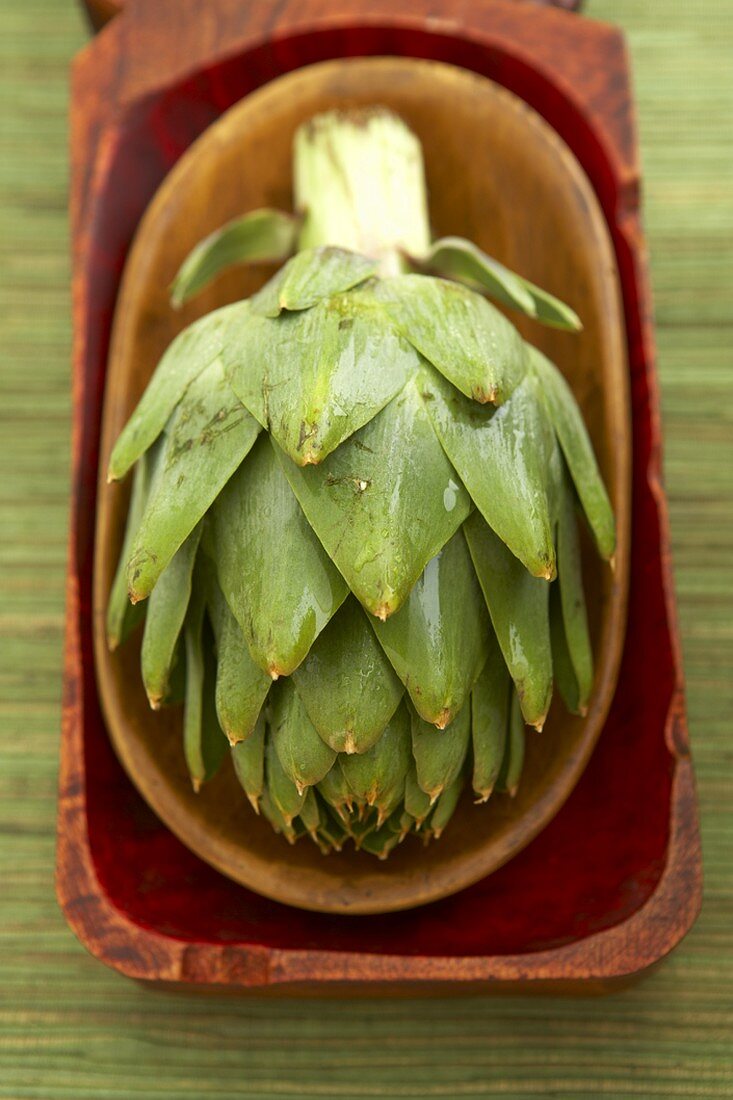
[461, 259]
[572, 598]
[513, 762]
[489, 721]
[166, 612]
[310, 276]
[241, 685]
[384, 503]
[377, 777]
[303, 754]
[204, 744]
[191, 353]
[281, 791]
[205, 441]
[346, 683]
[466, 338]
[276, 577]
[437, 642]
[457, 258]
[314, 378]
[558, 399]
[518, 604]
[566, 681]
[440, 754]
[123, 616]
[504, 458]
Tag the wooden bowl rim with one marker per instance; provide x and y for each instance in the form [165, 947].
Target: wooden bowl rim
[227, 857]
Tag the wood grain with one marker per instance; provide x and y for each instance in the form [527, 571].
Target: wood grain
[70, 1027]
[119, 103]
[546, 224]
[100, 12]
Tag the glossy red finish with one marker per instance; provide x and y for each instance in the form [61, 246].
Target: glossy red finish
[601, 861]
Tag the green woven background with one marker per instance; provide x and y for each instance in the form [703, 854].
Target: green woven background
[69, 1027]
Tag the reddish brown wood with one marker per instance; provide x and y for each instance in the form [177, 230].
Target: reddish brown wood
[99, 12]
[574, 73]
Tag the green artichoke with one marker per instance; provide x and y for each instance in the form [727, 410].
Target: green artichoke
[353, 516]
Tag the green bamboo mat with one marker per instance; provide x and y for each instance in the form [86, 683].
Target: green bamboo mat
[70, 1028]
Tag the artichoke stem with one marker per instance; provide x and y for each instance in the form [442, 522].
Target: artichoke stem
[359, 180]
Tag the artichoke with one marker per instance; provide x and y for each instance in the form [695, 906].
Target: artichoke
[353, 520]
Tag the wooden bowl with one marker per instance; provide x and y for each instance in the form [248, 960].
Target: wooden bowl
[500, 176]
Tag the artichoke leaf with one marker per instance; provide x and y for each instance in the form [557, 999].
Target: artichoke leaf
[552, 311]
[346, 683]
[310, 814]
[164, 620]
[417, 802]
[248, 758]
[460, 259]
[310, 276]
[439, 754]
[384, 503]
[193, 351]
[336, 792]
[577, 449]
[305, 757]
[457, 258]
[241, 685]
[565, 678]
[331, 833]
[273, 571]
[489, 721]
[513, 762]
[316, 377]
[258, 237]
[572, 599]
[283, 793]
[204, 744]
[377, 777]
[519, 607]
[504, 458]
[290, 829]
[379, 842]
[123, 616]
[207, 438]
[457, 330]
[436, 642]
[445, 807]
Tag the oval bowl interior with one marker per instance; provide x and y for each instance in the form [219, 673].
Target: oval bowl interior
[500, 176]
